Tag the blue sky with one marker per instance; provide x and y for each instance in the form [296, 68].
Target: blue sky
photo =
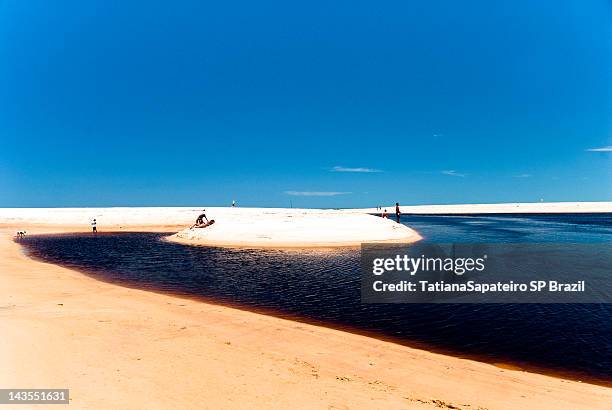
[323, 104]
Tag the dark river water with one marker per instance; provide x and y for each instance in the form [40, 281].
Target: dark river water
[323, 286]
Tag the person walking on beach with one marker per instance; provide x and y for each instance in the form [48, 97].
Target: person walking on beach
[233, 203]
[94, 227]
[397, 212]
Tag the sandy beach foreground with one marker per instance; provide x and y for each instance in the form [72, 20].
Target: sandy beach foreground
[116, 347]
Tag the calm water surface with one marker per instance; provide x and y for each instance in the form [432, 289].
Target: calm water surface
[323, 286]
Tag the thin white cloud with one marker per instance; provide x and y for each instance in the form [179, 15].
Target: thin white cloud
[453, 173]
[315, 193]
[339, 168]
[522, 176]
[601, 149]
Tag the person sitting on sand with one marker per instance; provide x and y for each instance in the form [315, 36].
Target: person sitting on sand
[200, 220]
[384, 214]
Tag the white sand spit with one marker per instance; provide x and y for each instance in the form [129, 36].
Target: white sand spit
[287, 228]
[509, 208]
[260, 227]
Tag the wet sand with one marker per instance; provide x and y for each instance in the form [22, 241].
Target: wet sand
[127, 348]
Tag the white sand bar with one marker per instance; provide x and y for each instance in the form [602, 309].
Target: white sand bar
[289, 227]
[510, 208]
[265, 227]
[273, 227]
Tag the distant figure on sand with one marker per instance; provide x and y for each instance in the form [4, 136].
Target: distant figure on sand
[21, 234]
[233, 203]
[397, 212]
[384, 214]
[94, 228]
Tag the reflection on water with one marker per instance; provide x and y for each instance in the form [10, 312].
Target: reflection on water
[323, 285]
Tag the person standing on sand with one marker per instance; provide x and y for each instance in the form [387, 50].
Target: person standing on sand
[233, 203]
[94, 228]
[397, 212]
